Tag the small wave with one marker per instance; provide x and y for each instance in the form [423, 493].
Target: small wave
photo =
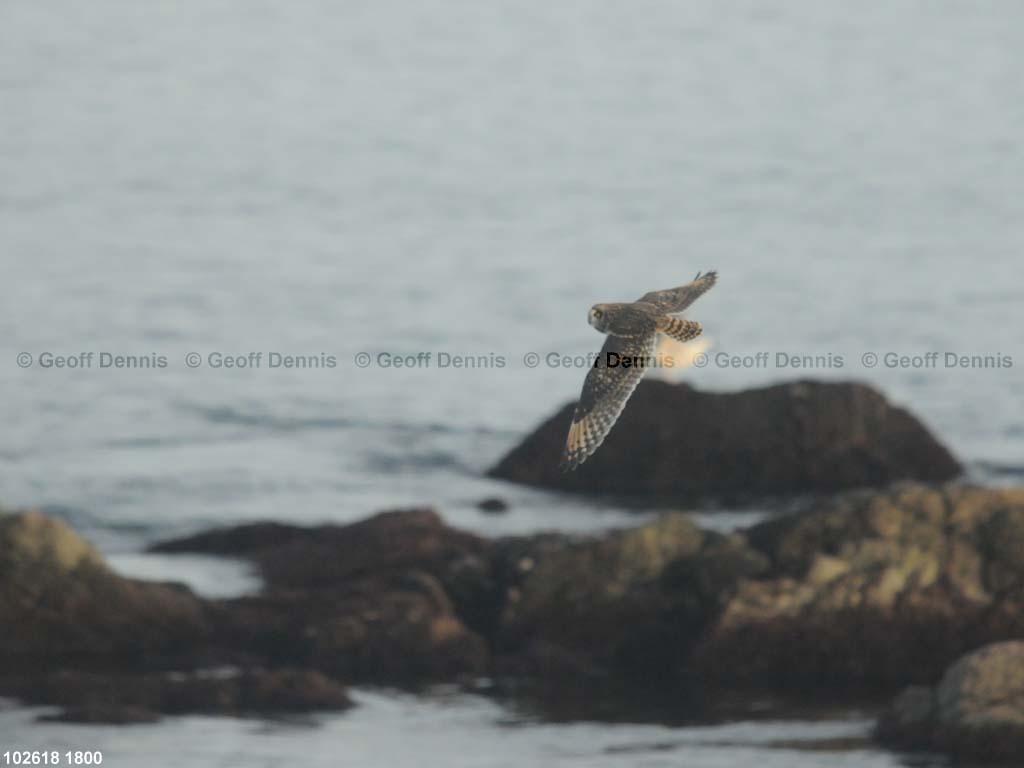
[231, 415]
[997, 469]
[225, 414]
[426, 461]
[155, 441]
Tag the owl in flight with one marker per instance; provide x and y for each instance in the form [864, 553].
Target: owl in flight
[632, 331]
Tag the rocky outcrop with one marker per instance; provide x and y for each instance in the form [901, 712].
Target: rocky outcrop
[392, 542]
[863, 592]
[138, 648]
[874, 590]
[675, 442]
[976, 712]
[59, 600]
[379, 600]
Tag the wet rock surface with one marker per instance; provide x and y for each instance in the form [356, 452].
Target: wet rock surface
[676, 442]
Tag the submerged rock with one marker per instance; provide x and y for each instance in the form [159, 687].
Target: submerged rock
[492, 505]
[675, 442]
[976, 711]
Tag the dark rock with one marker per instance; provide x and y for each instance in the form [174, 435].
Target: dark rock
[102, 714]
[290, 690]
[910, 719]
[613, 604]
[116, 698]
[308, 558]
[492, 505]
[379, 600]
[398, 630]
[674, 442]
[238, 540]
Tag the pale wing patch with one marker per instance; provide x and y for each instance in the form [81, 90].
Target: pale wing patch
[675, 357]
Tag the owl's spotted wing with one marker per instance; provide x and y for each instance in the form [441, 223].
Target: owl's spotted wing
[609, 383]
[678, 299]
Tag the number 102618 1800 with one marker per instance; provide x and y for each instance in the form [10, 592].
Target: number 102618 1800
[51, 757]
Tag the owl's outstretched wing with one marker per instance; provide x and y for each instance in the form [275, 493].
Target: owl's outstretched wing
[609, 383]
[677, 299]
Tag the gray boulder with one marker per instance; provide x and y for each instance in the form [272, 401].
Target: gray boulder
[976, 712]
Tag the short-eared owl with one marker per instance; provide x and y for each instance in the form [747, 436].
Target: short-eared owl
[632, 331]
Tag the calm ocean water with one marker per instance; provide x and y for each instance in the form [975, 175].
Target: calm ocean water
[324, 179]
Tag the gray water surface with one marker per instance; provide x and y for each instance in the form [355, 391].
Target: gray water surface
[461, 731]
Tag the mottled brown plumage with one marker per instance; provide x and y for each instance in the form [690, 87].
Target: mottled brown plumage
[632, 330]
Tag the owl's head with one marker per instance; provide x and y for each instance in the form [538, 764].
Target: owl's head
[598, 317]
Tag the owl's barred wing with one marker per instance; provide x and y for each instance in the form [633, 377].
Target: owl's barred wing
[677, 299]
[606, 389]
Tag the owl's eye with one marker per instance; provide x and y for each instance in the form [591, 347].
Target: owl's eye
[597, 313]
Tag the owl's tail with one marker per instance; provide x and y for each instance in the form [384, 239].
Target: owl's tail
[680, 330]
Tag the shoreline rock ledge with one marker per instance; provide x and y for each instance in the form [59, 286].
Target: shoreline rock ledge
[787, 439]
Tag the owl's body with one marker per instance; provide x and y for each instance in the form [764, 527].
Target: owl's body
[631, 320]
[632, 330]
